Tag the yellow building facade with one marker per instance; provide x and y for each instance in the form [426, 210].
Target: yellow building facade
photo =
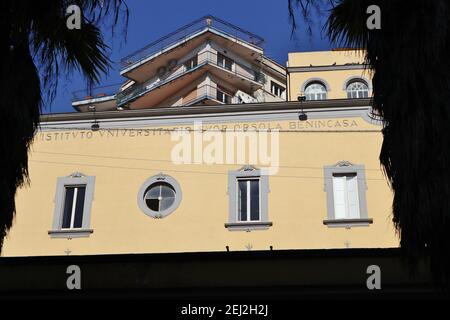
[338, 74]
[214, 176]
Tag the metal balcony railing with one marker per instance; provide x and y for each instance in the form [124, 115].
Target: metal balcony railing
[187, 31]
[97, 92]
[203, 58]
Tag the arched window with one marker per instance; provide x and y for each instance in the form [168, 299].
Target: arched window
[357, 89]
[315, 91]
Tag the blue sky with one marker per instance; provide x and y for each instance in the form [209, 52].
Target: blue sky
[150, 20]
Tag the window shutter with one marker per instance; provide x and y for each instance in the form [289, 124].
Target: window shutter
[352, 194]
[339, 197]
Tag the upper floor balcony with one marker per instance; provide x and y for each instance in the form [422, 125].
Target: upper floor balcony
[174, 46]
[181, 75]
[103, 98]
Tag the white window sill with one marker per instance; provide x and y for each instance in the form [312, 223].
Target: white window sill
[70, 233]
[348, 223]
[248, 226]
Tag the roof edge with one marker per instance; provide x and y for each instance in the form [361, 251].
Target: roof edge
[195, 110]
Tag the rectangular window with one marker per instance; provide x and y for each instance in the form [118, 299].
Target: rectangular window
[73, 204]
[73, 207]
[224, 62]
[276, 89]
[260, 77]
[345, 195]
[248, 200]
[248, 192]
[223, 97]
[345, 187]
[191, 63]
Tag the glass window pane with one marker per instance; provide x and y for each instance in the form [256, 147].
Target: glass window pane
[191, 63]
[166, 203]
[160, 196]
[228, 64]
[153, 192]
[79, 207]
[221, 60]
[68, 204]
[223, 97]
[242, 200]
[254, 200]
[357, 89]
[316, 91]
[153, 204]
[167, 191]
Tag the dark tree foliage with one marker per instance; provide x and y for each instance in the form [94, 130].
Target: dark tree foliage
[35, 47]
[409, 57]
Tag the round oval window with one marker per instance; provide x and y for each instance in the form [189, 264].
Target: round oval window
[159, 196]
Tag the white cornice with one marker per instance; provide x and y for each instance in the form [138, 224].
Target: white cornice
[327, 68]
[261, 112]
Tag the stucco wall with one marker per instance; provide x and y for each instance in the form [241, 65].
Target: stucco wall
[121, 160]
[334, 80]
[339, 67]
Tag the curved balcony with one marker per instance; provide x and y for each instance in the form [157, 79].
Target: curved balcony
[186, 33]
[209, 95]
[206, 61]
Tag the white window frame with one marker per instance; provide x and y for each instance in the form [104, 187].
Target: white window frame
[222, 61]
[191, 63]
[160, 186]
[248, 207]
[74, 201]
[234, 223]
[276, 89]
[225, 95]
[161, 177]
[358, 92]
[346, 194]
[76, 179]
[346, 168]
[315, 94]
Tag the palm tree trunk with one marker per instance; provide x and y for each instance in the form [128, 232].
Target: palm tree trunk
[20, 101]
